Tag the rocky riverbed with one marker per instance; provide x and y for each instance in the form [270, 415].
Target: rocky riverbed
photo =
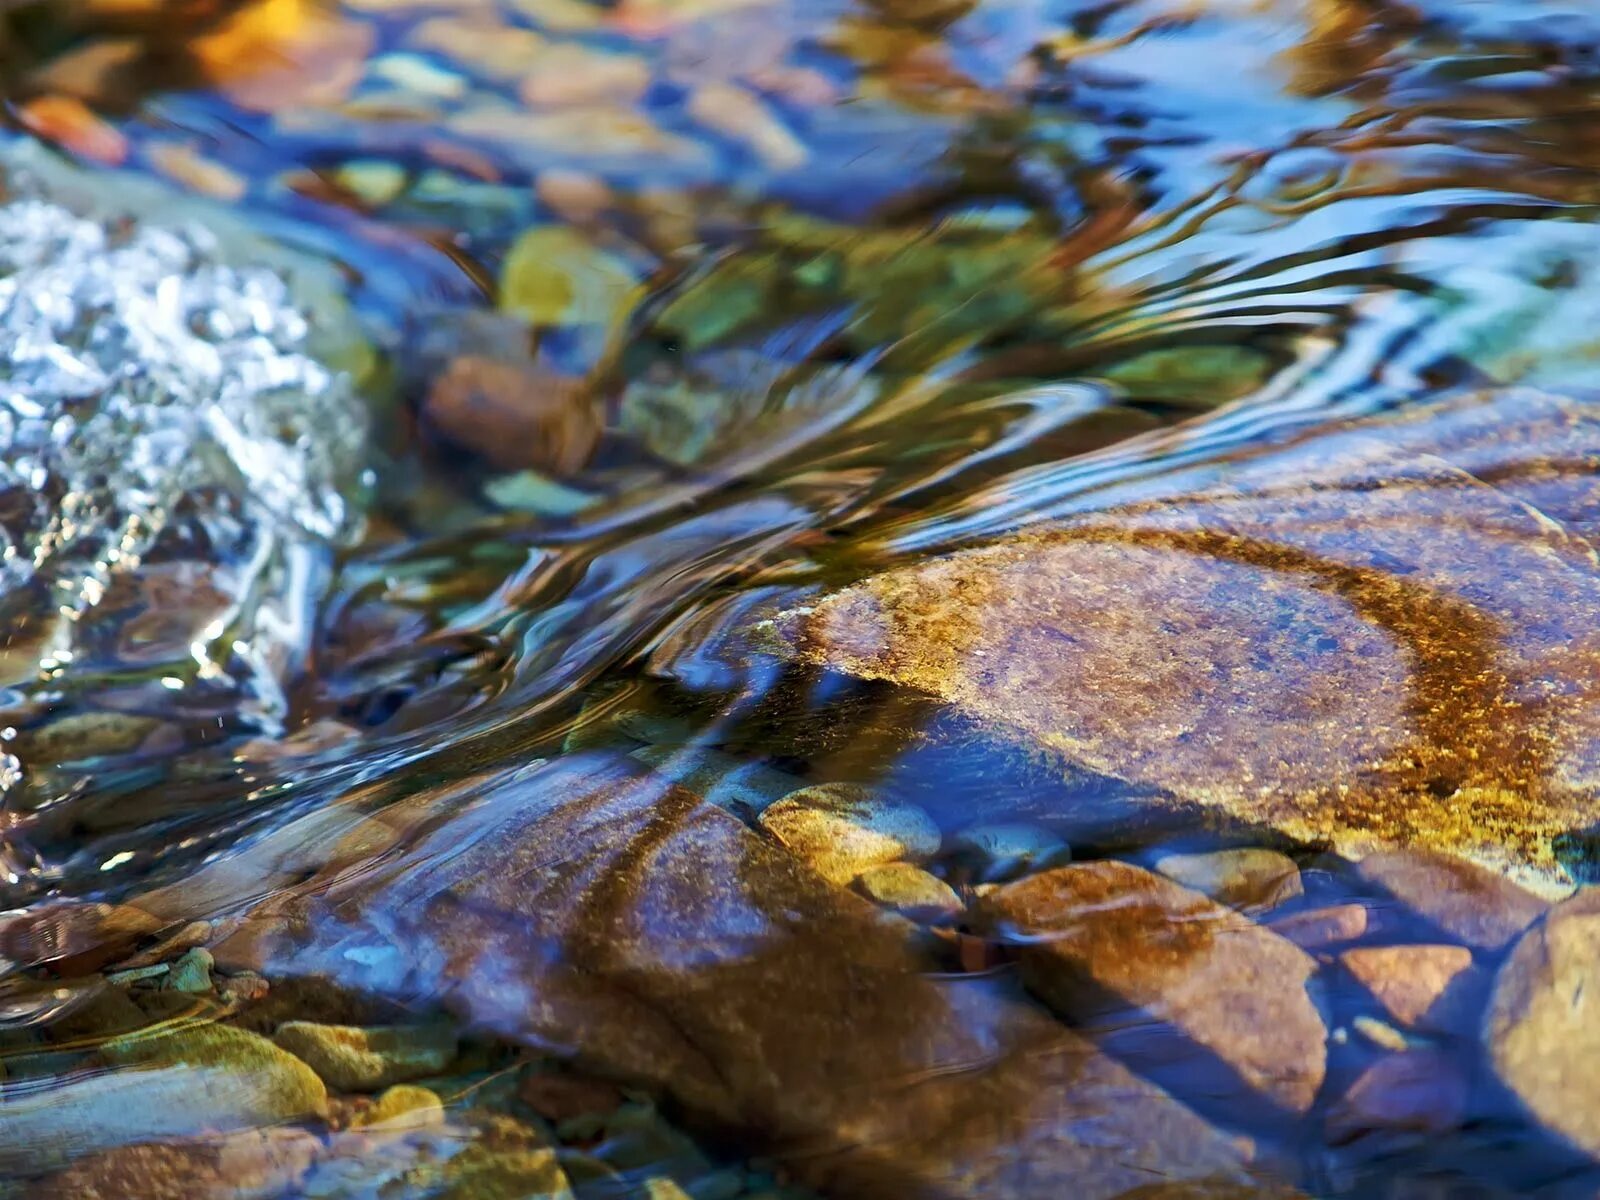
[729, 599]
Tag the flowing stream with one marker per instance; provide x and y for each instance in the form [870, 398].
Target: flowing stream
[465, 466]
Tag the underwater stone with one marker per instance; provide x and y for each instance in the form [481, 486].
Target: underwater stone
[350, 1058]
[710, 966]
[841, 829]
[174, 1085]
[1230, 987]
[1543, 1026]
[909, 891]
[1249, 878]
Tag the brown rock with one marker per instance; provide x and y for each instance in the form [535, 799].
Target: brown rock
[1319, 928]
[253, 1165]
[514, 415]
[175, 1086]
[1471, 904]
[658, 942]
[1291, 616]
[562, 1097]
[1431, 988]
[1249, 878]
[1543, 1025]
[74, 938]
[1418, 1091]
[1104, 937]
[354, 1058]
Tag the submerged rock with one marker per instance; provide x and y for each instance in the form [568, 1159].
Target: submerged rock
[841, 829]
[654, 940]
[909, 891]
[176, 1085]
[1431, 988]
[1476, 907]
[1372, 635]
[1543, 1025]
[1413, 1091]
[353, 1059]
[1112, 945]
[253, 1165]
[1248, 878]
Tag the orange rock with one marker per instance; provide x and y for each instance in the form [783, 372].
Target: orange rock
[560, 1097]
[194, 171]
[1317, 928]
[245, 1166]
[70, 123]
[1470, 903]
[276, 54]
[1421, 987]
[1108, 942]
[513, 415]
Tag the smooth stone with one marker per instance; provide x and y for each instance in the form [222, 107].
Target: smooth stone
[350, 1058]
[1415, 1091]
[74, 938]
[192, 972]
[181, 1084]
[1099, 940]
[1543, 1025]
[404, 1106]
[1473, 905]
[999, 851]
[841, 829]
[1434, 989]
[1381, 1033]
[1319, 928]
[1250, 878]
[514, 413]
[654, 940]
[909, 891]
[1281, 638]
[252, 1165]
[566, 73]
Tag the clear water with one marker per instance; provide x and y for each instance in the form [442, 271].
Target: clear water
[806, 293]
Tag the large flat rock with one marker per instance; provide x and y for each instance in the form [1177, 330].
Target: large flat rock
[607, 915]
[1367, 636]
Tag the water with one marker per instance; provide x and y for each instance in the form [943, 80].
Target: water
[622, 341]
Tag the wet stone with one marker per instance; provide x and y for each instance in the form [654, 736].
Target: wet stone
[1102, 941]
[1472, 905]
[350, 1058]
[174, 1085]
[513, 414]
[841, 829]
[909, 891]
[1543, 1025]
[712, 968]
[1319, 928]
[1428, 988]
[192, 972]
[253, 1165]
[403, 1106]
[1249, 879]
[1416, 1091]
